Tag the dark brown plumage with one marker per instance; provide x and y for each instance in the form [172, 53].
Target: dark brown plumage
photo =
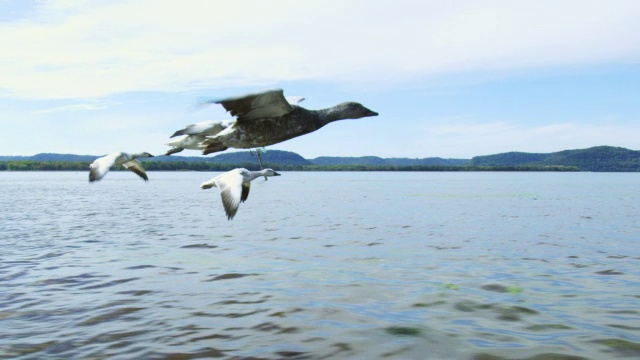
[267, 118]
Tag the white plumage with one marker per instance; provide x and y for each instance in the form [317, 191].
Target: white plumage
[234, 187]
[192, 136]
[100, 167]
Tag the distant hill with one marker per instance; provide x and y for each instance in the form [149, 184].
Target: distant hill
[50, 157]
[271, 156]
[240, 157]
[378, 161]
[508, 159]
[599, 158]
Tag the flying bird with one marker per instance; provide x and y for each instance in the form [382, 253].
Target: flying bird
[192, 142]
[100, 167]
[192, 136]
[234, 187]
[267, 118]
[208, 127]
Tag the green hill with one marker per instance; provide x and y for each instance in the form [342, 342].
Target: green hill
[240, 157]
[271, 156]
[50, 157]
[599, 158]
[378, 161]
[508, 159]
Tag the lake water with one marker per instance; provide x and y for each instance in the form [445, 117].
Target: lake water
[321, 265]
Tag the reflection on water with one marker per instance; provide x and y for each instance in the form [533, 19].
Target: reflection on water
[321, 265]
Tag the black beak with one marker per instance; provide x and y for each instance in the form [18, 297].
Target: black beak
[370, 113]
[276, 174]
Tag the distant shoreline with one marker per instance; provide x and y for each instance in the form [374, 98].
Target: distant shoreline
[31, 165]
[594, 159]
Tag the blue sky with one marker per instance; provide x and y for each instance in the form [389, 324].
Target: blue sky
[449, 79]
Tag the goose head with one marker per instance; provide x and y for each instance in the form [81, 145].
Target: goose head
[270, 172]
[351, 110]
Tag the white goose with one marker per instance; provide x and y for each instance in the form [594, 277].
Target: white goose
[192, 135]
[192, 142]
[100, 167]
[208, 127]
[234, 187]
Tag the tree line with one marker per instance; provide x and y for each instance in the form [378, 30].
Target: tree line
[30, 165]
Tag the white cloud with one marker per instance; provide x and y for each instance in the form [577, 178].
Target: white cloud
[73, 107]
[78, 49]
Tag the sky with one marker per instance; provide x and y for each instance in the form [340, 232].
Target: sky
[451, 79]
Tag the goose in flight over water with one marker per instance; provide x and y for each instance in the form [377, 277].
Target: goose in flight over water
[267, 118]
[234, 187]
[208, 127]
[100, 167]
[192, 142]
[193, 135]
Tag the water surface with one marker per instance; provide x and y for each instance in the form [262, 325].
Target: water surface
[321, 265]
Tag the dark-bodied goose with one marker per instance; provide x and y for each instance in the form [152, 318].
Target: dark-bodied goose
[100, 167]
[267, 118]
[234, 187]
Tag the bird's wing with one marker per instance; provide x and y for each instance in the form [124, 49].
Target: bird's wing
[180, 141]
[136, 167]
[191, 142]
[269, 103]
[203, 128]
[100, 167]
[230, 185]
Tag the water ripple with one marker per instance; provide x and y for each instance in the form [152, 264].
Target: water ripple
[466, 270]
